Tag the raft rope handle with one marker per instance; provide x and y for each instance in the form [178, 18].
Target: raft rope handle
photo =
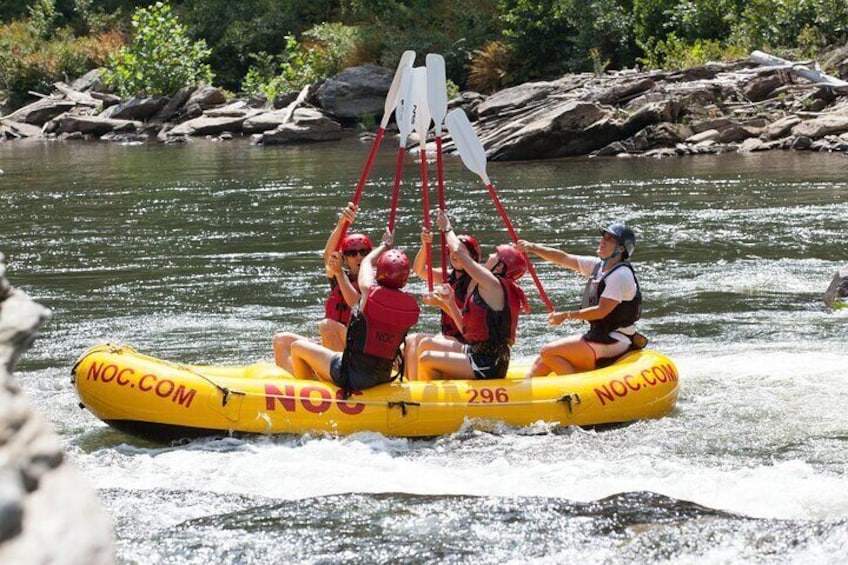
[402, 403]
[567, 400]
[226, 392]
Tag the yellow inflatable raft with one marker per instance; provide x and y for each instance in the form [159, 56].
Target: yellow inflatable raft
[164, 400]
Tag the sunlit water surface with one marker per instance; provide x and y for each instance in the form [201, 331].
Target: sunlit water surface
[199, 253]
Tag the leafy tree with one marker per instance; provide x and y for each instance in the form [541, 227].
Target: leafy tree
[161, 58]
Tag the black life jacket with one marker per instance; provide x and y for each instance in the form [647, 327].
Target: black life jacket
[378, 330]
[482, 324]
[459, 283]
[624, 314]
[336, 307]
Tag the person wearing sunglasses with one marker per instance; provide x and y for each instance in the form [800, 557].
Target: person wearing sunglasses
[612, 303]
[342, 269]
[457, 278]
[488, 317]
[377, 329]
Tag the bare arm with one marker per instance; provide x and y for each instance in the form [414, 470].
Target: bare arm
[367, 272]
[549, 254]
[419, 266]
[590, 314]
[490, 288]
[349, 292]
[347, 215]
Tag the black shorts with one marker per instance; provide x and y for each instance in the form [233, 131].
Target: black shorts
[488, 361]
[353, 377]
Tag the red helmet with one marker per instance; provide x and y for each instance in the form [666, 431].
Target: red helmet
[393, 269]
[470, 244]
[513, 260]
[356, 242]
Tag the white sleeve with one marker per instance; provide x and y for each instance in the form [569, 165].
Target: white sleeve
[586, 264]
[620, 285]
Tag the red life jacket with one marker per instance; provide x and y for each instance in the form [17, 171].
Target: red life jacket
[336, 308]
[380, 328]
[460, 288]
[482, 324]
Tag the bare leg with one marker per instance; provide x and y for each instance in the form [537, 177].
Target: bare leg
[282, 349]
[442, 358]
[410, 356]
[539, 368]
[568, 355]
[333, 334]
[310, 360]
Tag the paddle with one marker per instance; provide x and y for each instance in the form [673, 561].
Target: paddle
[405, 62]
[404, 117]
[422, 126]
[437, 100]
[474, 157]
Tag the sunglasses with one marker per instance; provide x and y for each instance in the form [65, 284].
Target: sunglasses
[355, 252]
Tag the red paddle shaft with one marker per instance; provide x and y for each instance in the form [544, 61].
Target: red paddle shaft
[514, 237]
[440, 171]
[396, 188]
[425, 199]
[357, 196]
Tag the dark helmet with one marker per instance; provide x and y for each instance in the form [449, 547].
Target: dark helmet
[393, 269]
[513, 260]
[624, 235]
[356, 242]
[470, 244]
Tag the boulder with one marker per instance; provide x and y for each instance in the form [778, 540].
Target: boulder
[48, 513]
[208, 126]
[172, 108]
[356, 92]
[781, 127]
[760, 88]
[206, 97]
[138, 109]
[92, 80]
[822, 126]
[306, 126]
[89, 125]
[41, 111]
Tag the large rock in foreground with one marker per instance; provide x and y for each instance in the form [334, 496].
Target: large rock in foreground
[47, 512]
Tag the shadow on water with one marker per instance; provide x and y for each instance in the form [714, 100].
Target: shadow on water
[634, 527]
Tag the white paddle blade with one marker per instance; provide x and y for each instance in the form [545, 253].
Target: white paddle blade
[404, 114]
[419, 99]
[467, 143]
[392, 97]
[437, 90]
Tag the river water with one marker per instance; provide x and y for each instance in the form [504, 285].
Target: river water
[198, 253]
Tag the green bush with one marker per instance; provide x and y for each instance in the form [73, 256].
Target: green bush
[30, 63]
[161, 58]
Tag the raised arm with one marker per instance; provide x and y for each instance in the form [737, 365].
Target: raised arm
[347, 215]
[550, 254]
[349, 292]
[419, 265]
[487, 282]
[367, 271]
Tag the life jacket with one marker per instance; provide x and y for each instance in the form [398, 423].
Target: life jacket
[378, 330]
[459, 283]
[336, 308]
[481, 324]
[624, 314]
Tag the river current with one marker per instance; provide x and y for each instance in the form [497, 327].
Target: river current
[199, 253]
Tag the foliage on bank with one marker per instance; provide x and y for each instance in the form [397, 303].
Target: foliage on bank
[272, 46]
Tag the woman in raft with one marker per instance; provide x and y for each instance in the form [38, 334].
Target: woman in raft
[489, 315]
[342, 269]
[377, 329]
[612, 302]
[458, 279]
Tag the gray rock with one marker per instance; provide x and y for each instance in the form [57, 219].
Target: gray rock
[41, 111]
[781, 127]
[207, 97]
[172, 108]
[138, 109]
[822, 126]
[208, 126]
[47, 512]
[307, 126]
[838, 289]
[760, 88]
[356, 92]
[89, 125]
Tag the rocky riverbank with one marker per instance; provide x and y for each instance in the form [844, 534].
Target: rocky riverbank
[756, 104]
[47, 513]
